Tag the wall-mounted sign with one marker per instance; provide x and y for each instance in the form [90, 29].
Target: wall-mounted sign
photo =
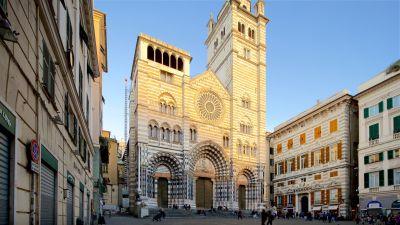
[7, 119]
[374, 205]
[35, 156]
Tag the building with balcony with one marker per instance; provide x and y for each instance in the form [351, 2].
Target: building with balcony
[315, 158]
[379, 148]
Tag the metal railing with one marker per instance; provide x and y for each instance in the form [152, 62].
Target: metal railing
[373, 142]
[375, 189]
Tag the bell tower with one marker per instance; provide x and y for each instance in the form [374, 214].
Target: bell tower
[236, 47]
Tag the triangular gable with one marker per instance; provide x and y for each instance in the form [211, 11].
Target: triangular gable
[208, 79]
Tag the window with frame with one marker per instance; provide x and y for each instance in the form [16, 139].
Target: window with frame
[87, 109]
[378, 157]
[333, 125]
[280, 168]
[80, 85]
[49, 72]
[396, 124]
[333, 153]
[279, 148]
[333, 196]
[303, 180]
[290, 165]
[317, 198]
[303, 162]
[374, 132]
[333, 173]
[166, 77]
[291, 182]
[226, 141]
[396, 175]
[70, 121]
[392, 154]
[279, 200]
[317, 177]
[393, 102]
[290, 199]
[373, 179]
[290, 143]
[302, 138]
[317, 158]
[373, 110]
[193, 134]
[317, 132]
[69, 32]
[246, 53]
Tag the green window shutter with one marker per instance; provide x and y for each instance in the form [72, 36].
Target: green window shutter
[381, 156]
[374, 132]
[366, 180]
[390, 154]
[389, 103]
[366, 112]
[381, 178]
[390, 177]
[396, 124]
[366, 159]
[381, 106]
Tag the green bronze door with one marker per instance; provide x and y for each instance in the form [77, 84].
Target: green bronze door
[162, 193]
[204, 193]
[242, 197]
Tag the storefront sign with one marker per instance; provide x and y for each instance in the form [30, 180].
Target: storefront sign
[7, 119]
[374, 205]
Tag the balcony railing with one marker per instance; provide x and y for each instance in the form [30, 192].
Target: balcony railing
[397, 187]
[375, 189]
[333, 201]
[396, 135]
[373, 142]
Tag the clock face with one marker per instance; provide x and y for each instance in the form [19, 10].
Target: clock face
[209, 106]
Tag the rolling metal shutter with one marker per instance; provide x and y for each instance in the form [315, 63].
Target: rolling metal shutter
[70, 204]
[47, 195]
[4, 178]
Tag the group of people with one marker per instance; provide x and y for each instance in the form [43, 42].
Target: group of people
[379, 219]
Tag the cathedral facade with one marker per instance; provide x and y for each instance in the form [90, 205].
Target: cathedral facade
[201, 141]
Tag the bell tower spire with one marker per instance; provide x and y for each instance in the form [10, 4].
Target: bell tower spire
[259, 7]
[210, 23]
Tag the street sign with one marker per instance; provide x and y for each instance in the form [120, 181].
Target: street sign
[35, 156]
[35, 151]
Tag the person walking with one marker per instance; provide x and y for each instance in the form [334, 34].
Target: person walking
[270, 218]
[240, 215]
[263, 217]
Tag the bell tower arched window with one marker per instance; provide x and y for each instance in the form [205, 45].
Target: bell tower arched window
[165, 59]
[158, 56]
[150, 53]
[180, 64]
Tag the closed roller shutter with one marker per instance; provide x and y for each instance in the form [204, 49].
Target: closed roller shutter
[70, 204]
[47, 195]
[4, 178]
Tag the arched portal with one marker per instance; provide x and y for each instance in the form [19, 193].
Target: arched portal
[164, 180]
[248, 194]
[210, 170]
[304, 204]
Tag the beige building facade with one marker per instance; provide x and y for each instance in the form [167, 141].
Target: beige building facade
[315, 157]
[201, 141]
[46, 69]
[110, 171]
[379, 149]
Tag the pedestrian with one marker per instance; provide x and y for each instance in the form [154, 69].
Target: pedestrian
[270, 218]
[263, 217]
[101, 220]
[240, 215]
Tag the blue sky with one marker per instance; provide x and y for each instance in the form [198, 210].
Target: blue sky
[315, 48]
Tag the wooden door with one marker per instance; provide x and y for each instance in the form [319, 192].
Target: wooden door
[162, 193]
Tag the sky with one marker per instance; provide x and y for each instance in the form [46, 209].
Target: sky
[315, 48]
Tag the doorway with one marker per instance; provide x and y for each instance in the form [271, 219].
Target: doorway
[162, 192]
[304, 204]
[204, 193]
[242, 197]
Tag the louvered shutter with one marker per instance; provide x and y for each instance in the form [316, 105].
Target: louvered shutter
[4, 179]
[47, 195]
[306, 161]
[293, 164]
[339, 147]
[70, 204]
[323, 197]
[390, 154]
[390, 177]
[389, 103]
[327, 154]
[312, 159]
[366, 180]
[328, 197]
[366, 112]
[322, 155]
[298, 162]
[381, 178]
[380, 107]
[312, 198]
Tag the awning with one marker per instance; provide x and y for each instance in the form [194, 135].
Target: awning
[316, 208]
[333, 207]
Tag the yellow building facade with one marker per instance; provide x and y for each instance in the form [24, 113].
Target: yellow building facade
[201, 141]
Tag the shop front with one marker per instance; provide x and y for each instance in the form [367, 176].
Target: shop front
[374, 208]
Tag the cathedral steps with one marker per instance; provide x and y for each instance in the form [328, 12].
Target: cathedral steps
[181, 213]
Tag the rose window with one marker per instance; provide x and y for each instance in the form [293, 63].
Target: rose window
[209, 106]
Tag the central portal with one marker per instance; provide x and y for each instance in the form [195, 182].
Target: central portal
[242, 197]
[204, 193]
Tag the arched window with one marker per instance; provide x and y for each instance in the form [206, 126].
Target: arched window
[240, 148]
[180, 64]
[173, 61]
[158, 56]
[150, 130]
[150, 53]
[239, 27]
[153, 129]
[154, 132]
[243, 29]
[252, 34]
[226, 141]
[193, 134]
[249, 31]
[165, 59]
